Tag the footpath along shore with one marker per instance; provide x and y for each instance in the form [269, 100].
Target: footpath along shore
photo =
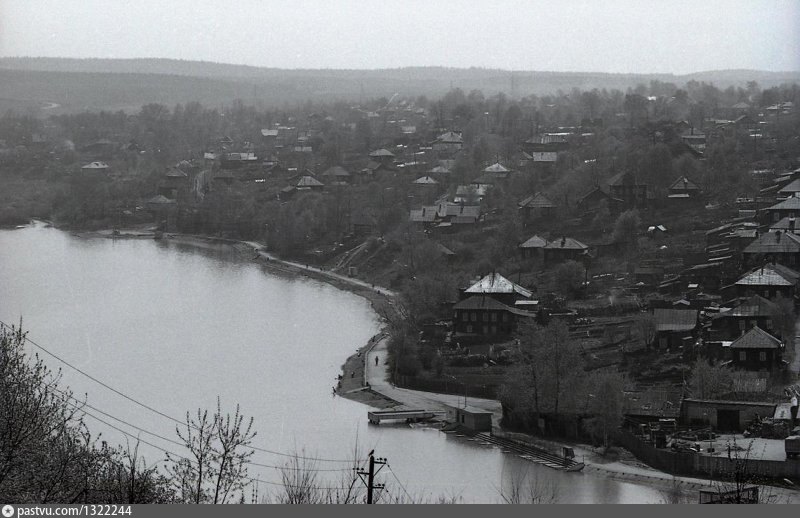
[366, 381]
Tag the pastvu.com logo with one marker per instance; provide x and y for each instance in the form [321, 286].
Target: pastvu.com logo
[8, 511]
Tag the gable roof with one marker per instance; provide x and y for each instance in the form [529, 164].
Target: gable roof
[337, 171]
[675, 319]
[793, 187]
[685, 184]
[624, 178]
[444, 250]
[534, 242]
[774, 243]
[755, 306]
[770, 275]
[497, 167]
[787, 224]
[381, 153]
[566, 243]
[756, 338]
[423, 215]
[439, 170]
[787, 204]
[160, 199]
[454, 209]
[425, 180]
[486, 179]
[496, 283]
[597, 191]
[480, 302]
[309, 181]
[537, 201]
[450, 138]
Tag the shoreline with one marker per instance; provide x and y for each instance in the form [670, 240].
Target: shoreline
[353, 384]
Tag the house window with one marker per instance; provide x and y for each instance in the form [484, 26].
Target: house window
[494, 330]
[742, 356]
[663, 342]
[485, 317]
[494, 317]
[465, 317]
[769, 323]
[762, 356]
[742, 325]
[469, 328]
[473, 316]
[505, 317]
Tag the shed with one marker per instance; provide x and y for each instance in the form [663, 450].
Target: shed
[723, 415]
[476, 419]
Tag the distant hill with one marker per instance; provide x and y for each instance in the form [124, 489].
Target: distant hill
[77, 84]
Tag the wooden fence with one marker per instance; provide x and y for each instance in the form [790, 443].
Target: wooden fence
[693, 464]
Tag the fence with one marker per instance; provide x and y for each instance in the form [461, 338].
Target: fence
[693, 464]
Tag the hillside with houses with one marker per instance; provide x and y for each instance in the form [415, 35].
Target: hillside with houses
[654, 231]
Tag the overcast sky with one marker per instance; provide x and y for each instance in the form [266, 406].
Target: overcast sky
[560, 35]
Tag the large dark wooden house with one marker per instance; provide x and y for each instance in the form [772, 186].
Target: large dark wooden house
[490, 306]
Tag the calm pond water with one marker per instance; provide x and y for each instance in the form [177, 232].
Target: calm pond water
[176, 326]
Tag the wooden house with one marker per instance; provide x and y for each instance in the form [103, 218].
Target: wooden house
[336, 175]
[592, 200]
[499, 288]
[533, 248]
[627, 188]
[485, 315]
[675, 327]
[775, 247]
[791, 190]
[537, 206]
[449, 142]
[756, 350]
[564, 249]
[788, 208]
[753, 311]
[683, 188]
[769, 281]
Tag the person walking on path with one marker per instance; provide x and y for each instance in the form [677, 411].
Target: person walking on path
[376, 360]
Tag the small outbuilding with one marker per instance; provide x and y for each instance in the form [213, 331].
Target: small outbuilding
[473, 418]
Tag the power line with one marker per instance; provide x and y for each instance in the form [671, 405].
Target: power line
[187, 459]
[172, 441]
[411, 500]
[162, 414]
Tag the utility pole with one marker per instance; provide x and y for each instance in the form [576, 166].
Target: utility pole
[370, 482]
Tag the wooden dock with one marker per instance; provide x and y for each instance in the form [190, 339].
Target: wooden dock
[531, 453]
[409, 416]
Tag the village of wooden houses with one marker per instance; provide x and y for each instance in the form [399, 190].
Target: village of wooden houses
[651, 238]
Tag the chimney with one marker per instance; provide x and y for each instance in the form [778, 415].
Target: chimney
[462, 209]
[778, 235]
[423, 211]
[791, 223]
[563, 241]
